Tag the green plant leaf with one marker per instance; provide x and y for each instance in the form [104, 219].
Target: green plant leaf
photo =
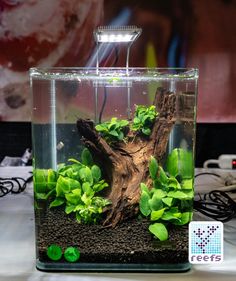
[124, 123]
[120, 136]
[69, 209]
[114, 133]
[77, 191]
[162, 176]
[65, 185]
[87, 189]
[146, 131]
[57, 202]
[96, 173]
[144, 204]
[159, 230]
[74, 161]
[86, 175]
[159, 193]
[187, 184]
[62, 186]
[112, 130]
[171, 215]
[60, 167]
[153, 167]
[74, 184]
[173, 183]
[112, 126]
[144, 188]
[86, 214]
[136, 120]
[100, 202]
[113, 120]
[78, 217]
[182, 195]
[100, 128]
[157, 184]
[155, 202]
[77, 166]
[144, 118]
[65, 171]
[100, 186]
[156, 215]
[86, 199]
[72, 171]
[72, 198]
[86, 157]
[79, 207]
[184, 219]
[168, 201]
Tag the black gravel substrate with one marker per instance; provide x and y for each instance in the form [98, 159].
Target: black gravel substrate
[129, 242]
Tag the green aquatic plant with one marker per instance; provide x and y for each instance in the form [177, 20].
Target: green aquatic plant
[113, 130]
[71, 254]
[54, 252]
[116, 130]
[144, 118]
[169, 201]
[76, 186]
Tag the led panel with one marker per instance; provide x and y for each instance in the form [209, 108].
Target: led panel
[113, 34]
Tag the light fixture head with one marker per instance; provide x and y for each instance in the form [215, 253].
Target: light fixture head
[116, 34]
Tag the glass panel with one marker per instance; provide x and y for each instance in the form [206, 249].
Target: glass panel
[113, 167]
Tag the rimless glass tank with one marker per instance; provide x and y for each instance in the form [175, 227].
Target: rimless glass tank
[113, 167]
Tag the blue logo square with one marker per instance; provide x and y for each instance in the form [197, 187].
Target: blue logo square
[205, 242]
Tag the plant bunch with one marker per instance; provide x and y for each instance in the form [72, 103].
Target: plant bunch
[113, 130]
[76, 186]
[116, 130]
[144, 118]
[167, 202]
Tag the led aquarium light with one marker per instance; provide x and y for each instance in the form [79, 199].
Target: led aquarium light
[114, 34]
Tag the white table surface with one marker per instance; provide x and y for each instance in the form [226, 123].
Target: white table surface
[17, 247]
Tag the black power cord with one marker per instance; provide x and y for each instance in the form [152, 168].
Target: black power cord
[207, 173]
[13, 185]
[103, 105]
[216, 204]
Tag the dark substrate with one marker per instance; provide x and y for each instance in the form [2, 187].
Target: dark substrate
[129, 242]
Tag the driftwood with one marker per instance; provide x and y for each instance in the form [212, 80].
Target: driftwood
[125, 164]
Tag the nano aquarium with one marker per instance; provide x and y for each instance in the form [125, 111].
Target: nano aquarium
[113, 167]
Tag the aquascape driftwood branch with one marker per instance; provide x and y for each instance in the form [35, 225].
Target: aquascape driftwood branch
[125, 164]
